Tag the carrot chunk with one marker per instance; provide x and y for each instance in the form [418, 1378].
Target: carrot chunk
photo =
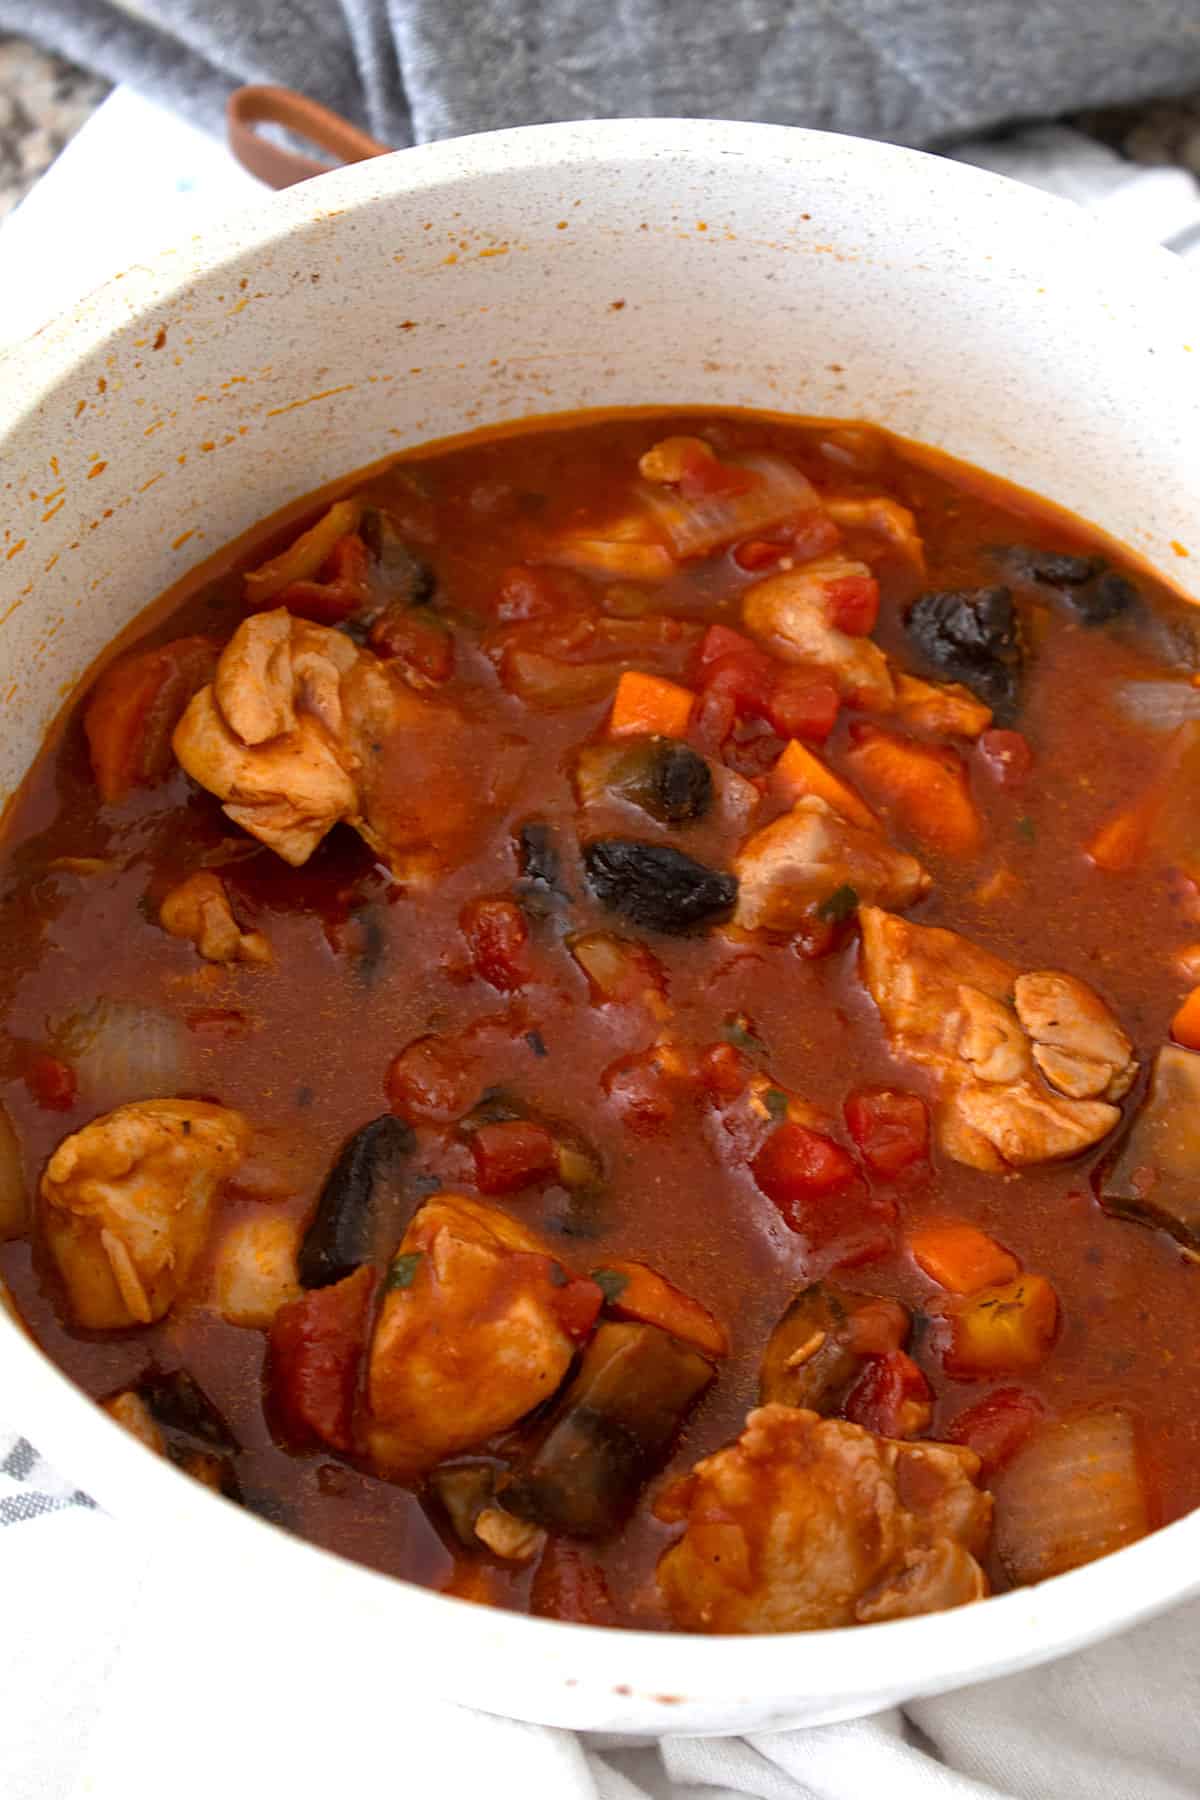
[636, 1292]
[960, 1257]
[999, 1330]
[1185, 1026]
[801, 773]
[926, 786]
[647, 706]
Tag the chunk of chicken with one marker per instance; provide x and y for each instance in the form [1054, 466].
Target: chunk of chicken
[199, 909]
[126, 1205]
[267, 736]
[300, 730]
[805, 1524]
[791, 613]
[799, 860]
[946, 709]
[1028, 1065]
[884, 518]
[470, 1344]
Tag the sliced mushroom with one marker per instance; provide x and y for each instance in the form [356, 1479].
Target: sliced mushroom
[611, 1430]
[1155, 1176]
[361, 1205]
[821, 1345]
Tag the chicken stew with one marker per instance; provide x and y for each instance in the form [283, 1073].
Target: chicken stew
[607, 1019]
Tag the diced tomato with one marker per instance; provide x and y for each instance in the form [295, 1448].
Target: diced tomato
[853, 602]
[431, 1082]
[724, 1071]
[713, 718]
[796, 1165]
[701, 474]
[756, 554]
[1007, 757]
[802, 705]
[823, 1198]
[52, 1083]
[890, 1128]
[570, 1585]
[417, 638]
[876, 1328]
[719, 642]
[640, 1092]
[316, 1345]
[134, 709]
[996, 1428]
[541, 592]
[891, 1396]
[577, 1306]
[511, 1154]
[498, 938]
[341, 587]
[812, 535]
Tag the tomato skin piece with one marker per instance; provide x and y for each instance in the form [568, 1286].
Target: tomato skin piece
[638, 1090]
[889, 1387]
[511, 1154]
[134, 708]
[889, 1127]
[52, 1083]
[996, 1427]
[498, 939]
[316, 1345]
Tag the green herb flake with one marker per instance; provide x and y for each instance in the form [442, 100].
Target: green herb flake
[403, 1271]
[611, 1282]
[776, 1102]
[1026, 829]
[841, 903]
[738, 1031]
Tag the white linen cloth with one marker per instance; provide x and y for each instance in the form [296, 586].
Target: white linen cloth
[121, 1678]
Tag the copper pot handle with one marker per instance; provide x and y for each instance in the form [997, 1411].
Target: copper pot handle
[250, 107]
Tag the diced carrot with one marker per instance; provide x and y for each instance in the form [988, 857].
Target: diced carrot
[1000, 1330]
[801, 773]
[303, 558]
[1185, 1026]
[926, 785]
[960, 1257]
[648, 705]
[637, 1292]
[1120, 843]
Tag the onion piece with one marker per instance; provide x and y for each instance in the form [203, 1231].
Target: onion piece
[121, 1051]
[546, 681]
[1074, 1493]
[694, 527]
[14, 1204]
[1160, 705]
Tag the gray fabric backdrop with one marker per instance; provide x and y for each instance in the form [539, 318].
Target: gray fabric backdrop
[915, 71]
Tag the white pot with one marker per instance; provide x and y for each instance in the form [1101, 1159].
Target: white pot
[530, 272]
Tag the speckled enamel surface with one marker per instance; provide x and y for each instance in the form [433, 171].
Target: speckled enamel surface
[528, 272]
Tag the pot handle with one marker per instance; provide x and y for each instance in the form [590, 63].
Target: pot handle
[250, 107]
